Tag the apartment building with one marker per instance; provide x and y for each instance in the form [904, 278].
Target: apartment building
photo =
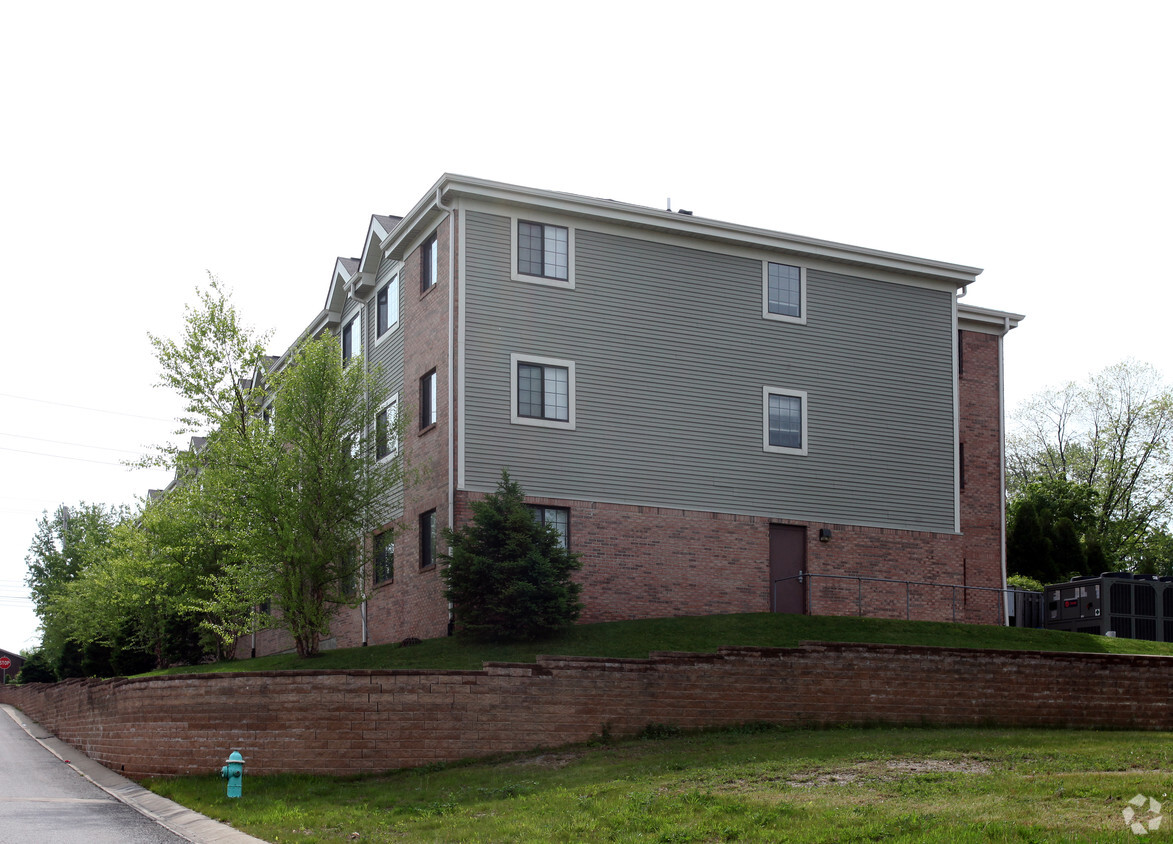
[719, 418]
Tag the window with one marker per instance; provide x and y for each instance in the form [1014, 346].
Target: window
[351, 339]
[543, 391]
[428, 400]
[961, 464]
[384, 557]
[785, 420]
[427, 539]
[784, 292]
[556, 517]
[429, 264]
[543, 250]
[385, 440]
[387, 306]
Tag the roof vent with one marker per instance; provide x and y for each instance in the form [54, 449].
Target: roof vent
[685, 213]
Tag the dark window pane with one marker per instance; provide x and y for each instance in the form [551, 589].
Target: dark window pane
[529, 390]
[543, 250]
[428, 263]
[428, 399]
[382, 435]
[785, 290]
[428, 539]
[786, 421]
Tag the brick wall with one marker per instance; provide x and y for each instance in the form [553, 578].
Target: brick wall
[352, 721]
[412, 604]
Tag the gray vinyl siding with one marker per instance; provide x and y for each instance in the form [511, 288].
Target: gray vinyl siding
[672, 354]
[387, 354]
[386, 357]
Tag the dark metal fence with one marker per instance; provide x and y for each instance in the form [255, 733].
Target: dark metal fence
[1025, 608]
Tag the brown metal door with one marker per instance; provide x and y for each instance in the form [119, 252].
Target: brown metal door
[787, 562]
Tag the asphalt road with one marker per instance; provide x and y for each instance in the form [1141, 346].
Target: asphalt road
[45, 799]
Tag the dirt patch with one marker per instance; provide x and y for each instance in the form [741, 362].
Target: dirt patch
[938, 766]
[893, 769]
[817, 779]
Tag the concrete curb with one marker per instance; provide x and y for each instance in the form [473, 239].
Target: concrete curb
[189, 825]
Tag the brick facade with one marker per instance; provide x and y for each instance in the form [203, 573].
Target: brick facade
[346, 722]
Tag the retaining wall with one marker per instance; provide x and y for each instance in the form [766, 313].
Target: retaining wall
[351, 721]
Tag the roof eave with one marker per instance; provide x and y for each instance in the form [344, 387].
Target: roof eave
[427, 212]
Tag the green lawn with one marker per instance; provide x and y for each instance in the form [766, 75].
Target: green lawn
[753, 784]
[702, 633]
[757, 783]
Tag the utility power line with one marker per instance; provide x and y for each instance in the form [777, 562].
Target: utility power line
[66, 442]
[82, 407]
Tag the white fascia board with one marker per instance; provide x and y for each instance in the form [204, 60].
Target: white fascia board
[376, 234]
[421, 218]
[986, 320]
[451, 186]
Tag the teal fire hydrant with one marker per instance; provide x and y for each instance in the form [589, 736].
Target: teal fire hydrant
[234, 773]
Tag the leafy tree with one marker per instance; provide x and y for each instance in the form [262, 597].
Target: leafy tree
[211, 366]
[1028, 545]
[66, 544]
[128, 608]
[298, 494]
[508, 576]
[1109, 438]
[284, 495]
[37, 668]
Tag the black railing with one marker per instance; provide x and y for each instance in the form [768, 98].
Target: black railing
[806, 579]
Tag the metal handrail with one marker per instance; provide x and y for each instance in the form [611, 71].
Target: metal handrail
[805, 577]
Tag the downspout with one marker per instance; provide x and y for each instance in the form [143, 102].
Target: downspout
[451, 370]
[362, 566]
[1002, 457]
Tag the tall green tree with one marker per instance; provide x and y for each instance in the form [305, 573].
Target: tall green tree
[135, 600]
[211, 366]
[285, 494]
[1111, 438]
[298, 495]
[508, 576]
[67, 543]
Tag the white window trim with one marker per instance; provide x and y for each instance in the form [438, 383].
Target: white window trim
[766, 313]
[433, 399]
[568, 283]
[782, 391]
[396, 280]
[392, 408]
[514, 360]
[356, 337]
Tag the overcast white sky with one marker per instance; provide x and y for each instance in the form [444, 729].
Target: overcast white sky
[142, 144]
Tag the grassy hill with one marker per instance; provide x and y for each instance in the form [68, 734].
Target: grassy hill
[635, 639]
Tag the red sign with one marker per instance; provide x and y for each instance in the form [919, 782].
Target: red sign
[5, 663]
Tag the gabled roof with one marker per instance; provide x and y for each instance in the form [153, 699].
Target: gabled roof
[381, 226]
[450, 187]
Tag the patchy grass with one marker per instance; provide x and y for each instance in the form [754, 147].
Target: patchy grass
[701, 633]
[755, 784]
